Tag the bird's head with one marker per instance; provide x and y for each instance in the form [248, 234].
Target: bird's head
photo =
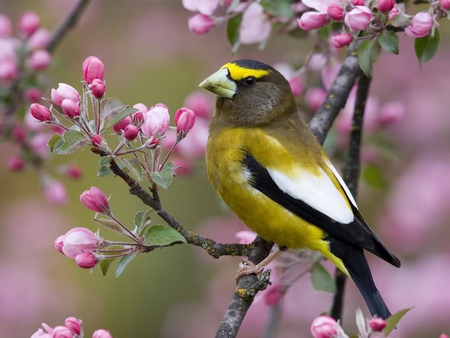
[250, 93]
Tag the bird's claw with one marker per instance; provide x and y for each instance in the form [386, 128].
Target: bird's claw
[248, 269]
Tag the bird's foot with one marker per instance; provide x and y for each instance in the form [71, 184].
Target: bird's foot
[248, 269]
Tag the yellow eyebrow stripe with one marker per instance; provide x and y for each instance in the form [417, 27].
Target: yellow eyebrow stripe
[238, 73]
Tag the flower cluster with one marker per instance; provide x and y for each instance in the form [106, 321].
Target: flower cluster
[72, 328]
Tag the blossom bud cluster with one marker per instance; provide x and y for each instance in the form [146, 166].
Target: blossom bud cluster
[72, 328]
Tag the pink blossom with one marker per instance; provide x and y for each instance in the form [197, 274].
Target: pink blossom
[29, 23]
[329, 73]
[86, 260]
[33, 94]
[255, 26]
[8, 70]
[200, 103]
[391, 113]
[79, 240]
[184, 120]
[38, 144]
[312, 20]
[130, 132]
[335, 12]
[377, 324]
[93, 68]
[19, 133]
[61, 332]
[317, 62]
[59, 243]
[245, 236]
[445, 4]
[55, 192]
[194, 145]
[70, 108]
[64, 91]
[183, 167]
[206, 7]
[358, 18]
[5, 26]
[200, 23]
[41, 334]
[101, 334]
[322, 5]
[40, 112]
[98, 88]
[443, 335]
[393, 13]
[96, 140]
[324, 327]
[39, 39]
[273, 294]
[421, 25]
[74, 172]
[384, 6]
[141, 107]
[74, 325]
[358, 2]
[156, 121]
[314, 97]
[40, 60]
[15, 164]
[296, 86]
[341, 40]
[95, 199]
[122, 124]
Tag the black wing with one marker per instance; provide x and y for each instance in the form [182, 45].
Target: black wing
[357, 232]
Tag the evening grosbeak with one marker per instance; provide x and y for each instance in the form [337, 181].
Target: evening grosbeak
[267, 166]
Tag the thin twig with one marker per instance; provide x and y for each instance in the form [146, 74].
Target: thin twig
[351, 175]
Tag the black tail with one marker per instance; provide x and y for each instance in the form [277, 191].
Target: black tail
[356, 264]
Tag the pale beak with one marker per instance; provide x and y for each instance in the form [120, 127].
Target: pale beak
[220, 84]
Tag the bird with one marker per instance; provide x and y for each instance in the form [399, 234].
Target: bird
[266, 165]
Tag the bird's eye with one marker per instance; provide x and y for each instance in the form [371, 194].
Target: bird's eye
[249, 81]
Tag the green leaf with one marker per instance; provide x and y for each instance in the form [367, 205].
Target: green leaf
[427, 46]
[324, 33]
[105, 264]
[281, 8]
[233, 32]
[54, 140]
[374, 176]
[164, 177]
[104, 171]
[124, 261]
[134, 166]
[116, 118]
[142, 219]
[393, 320]
[322, 280]
[389, 41]
[400, 20]
[111, 107]
[104, 160]
[162, 235]
[369, 52]
[72, 141]
[110, 224]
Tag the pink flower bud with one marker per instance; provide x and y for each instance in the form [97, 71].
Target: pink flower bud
[70, 108]
[39, 144]
[156, 121]
[312, 20]
[341, 40]
[138, 117]
[19, 133]
[86, 260]
[55, 192]
[393, 13]
[39, 60]
[384, 6]
[296, 86]
[61, 332]
[273, 295]
[323, 327]
[245, 236]
[59, 243]
[421, 25]
[184, 120]
[79, 240]
[358, 18]
[33, 94]
[8, 70]
[64, 91]
[98, 88]
[122, 124]
[183, 167]
[130, 132]
[5, 26]
[93, 68]
[15, 164]
[200, 23]
[40, 112]
[445, 4]
[335, 12]
[314, 97]
[200, 103]
[96, 140]
[443, 335]
[95, 200]
[74, 172]
[29, 23]
[391, 113]
[101, 334]
[74, 325]
[377, 324]
[357, 2]
[39, 39]
[141, 107]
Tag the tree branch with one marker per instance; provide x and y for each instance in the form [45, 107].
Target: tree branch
[351, 175]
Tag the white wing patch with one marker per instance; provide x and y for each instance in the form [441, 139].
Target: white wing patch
[341, 181]
[318, 192]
